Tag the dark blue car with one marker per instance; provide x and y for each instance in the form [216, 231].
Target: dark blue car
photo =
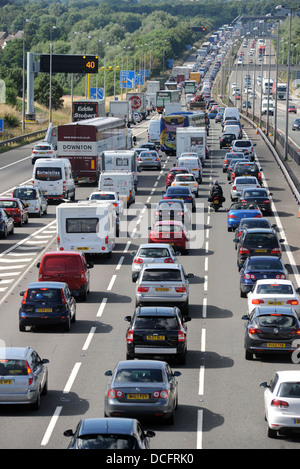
[260, 267]
[183, 193]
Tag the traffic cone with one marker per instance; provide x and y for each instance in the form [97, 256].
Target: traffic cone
[256, 130]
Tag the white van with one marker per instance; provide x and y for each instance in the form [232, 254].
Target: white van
[120, 160]
[54, 177]
[231, 112]
[154, 131]
[120, 182]
[86, 226]
[193, 164]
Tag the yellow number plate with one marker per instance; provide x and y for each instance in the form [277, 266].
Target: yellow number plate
[274, 345]
[6, 381]
[155, 337]
[276, 303]
[161, 289]
[260, 250]
[82, 249]
[44, 310]
[142, 397]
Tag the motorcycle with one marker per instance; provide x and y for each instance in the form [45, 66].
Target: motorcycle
[216, 202]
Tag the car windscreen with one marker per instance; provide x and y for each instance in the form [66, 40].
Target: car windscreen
[82, 225]
[106, 441]
[162, 275]
[163, 323]
[45, 173]
[8, 204]
[139, 375]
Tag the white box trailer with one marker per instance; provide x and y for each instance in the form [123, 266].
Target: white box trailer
[121, 182]
[120, 160]
[86, 226]
[119, 108]
[191, 140]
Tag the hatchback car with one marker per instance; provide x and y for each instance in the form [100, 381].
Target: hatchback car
[47, 303]
[292, 108]
[272, 329]
[240, 183]
[172, 232]
[246, 223]
[157, 331]
[152, 254]
[248, 168]
[107, 196]
[229, 156]
[231, 165]
[260, 197]
[258, 242]
[246, 146]
[42, 150]
[142, 388]
[186, 180]
[7, 225]
[226, 140]
[183, 193]
[172, 210]
[33, 197]
[148, 159]
[15, 209]
[260, 267]
[172, 173]
[296, 124]
[109, 433]
[268, 292]
[24, 376]
[161, 284]
[282, 402]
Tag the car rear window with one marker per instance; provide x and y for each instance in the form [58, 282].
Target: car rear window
[83, 225]
[155, 253]
[9, 367]
[261, 239]
[48, 174]
[162, 275]
[102, 197]
[139, 375]
[44, 294]
[274, 288]
[242, 144]
[28, 194]
[168, 229]
[8, 204]
[291, 389]
[275, 320]
[66, 264]
[268, 264]
[250, 193]
[106, 441]
[163, 323]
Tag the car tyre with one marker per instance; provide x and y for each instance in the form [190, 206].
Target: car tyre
[248, 355]
[272, 433]
[37, 404]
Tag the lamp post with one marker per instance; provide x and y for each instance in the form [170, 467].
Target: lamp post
[50, 78]
[23, 78]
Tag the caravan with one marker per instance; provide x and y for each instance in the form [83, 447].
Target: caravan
[120, 160]
[120, 182]
[87, 227]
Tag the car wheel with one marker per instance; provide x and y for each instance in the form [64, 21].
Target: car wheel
[272, 433]
[67, 326]
[45, 388]
[182, 359]
[37, 404]
[185, 309]
[12, 230]
[243, 294]
[4, 234]
[22, 328]
[248, 355]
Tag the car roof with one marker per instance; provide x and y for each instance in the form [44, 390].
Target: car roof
[14, 352]
[156, 311]
[260, 230]
[39, 285]
[284, 310]
[262, 258]
[154, 245]
[162, 265]
[107, 425]
[141, 364]
[288, 375]
[274, 281]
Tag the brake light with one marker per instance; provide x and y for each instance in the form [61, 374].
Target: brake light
[25, 297]
[180, 289]
[163, 394]
[138, 260]
[280, 276]
[232, 216]
[142, 289]
[112, 394]
[257, 302]
[82, 276]
[233, 187]
[129, 336]
[29, 372]
[106, 239]
[244, 251]
[243, 201]
[64, 185]
[64, 301]
[181, 336]
[249, 276]
[169, 260]
[276, 251]
[279, 403]
[58, 240]
[292, 302]
[254, 330]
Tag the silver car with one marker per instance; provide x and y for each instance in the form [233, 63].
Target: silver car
[173, 210]
[163, 284]
[152, 254]
[146, 388]
[149, 159]
[23, 376]
[33, 198]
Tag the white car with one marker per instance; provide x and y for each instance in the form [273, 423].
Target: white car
[243, 182]
[151, 254]
[43, 150]
[187, 180]
[268, 292]
[108, 196]
[282, 402]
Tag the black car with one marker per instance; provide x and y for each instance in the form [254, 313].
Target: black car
[258, 242]
[246, 223]
[148, 145]
[231, 165]
[260, 197]
[271, 329]
[226, 140]
[7, 225]
[109, 433]
[47, 304]
[157, 331]
[184, 193]
[296, 124]
[260, 267]
[248, 169]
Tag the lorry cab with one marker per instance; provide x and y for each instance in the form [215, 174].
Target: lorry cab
[54, 177]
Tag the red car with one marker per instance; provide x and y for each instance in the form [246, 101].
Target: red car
[171, 232]
[292, 108]
[15, 209]
[172, 173]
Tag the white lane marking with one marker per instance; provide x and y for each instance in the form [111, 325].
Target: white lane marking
[101, 308]
[72, 377]
[111, 283]
[51, 426]
[89, 338]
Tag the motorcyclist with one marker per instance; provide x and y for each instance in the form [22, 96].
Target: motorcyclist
[216, 190]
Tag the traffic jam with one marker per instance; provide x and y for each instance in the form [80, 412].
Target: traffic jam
[144, 387]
